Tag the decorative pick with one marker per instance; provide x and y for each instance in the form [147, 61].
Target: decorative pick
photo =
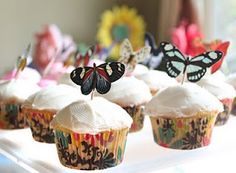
[194, 68]
[22, 61]
[97, 77]
[211, 46]
[131, 58]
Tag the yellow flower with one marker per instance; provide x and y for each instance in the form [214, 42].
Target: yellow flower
[118, 24]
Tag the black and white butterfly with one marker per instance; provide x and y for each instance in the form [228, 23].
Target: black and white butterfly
[131, 58]
[195, 67]
[97, 77]
[156, 55]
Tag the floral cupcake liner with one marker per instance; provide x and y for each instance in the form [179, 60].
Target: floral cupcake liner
[223, 117]
[233, 111]
[137, 114]
[184, 133]
[39, 122]
[88, 151]
[11, 116]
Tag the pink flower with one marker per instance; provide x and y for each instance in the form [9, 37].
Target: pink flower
[184, 36]
[50, 43]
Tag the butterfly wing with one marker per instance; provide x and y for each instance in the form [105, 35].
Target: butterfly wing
[223, 47]
[83, 77]
[113, 70]
[126, 51]
[175, 60]
[199, 64]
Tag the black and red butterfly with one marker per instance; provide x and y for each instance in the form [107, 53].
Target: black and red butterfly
[97, 77]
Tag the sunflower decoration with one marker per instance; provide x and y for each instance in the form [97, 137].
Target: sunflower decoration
[118, 24]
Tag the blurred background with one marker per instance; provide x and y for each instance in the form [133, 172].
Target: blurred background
[20, 20]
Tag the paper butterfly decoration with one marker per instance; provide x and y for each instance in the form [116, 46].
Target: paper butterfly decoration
[213, 45]
[131, 58]
[24, 59]
[195, 67]
[97, 77]
[83, 60]
[156, 54]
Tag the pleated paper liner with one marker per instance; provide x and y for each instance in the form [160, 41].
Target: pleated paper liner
[88, 151]
[11, 116]
[223, 117]
[233, 111]
[39, 122]
[137, 114]
[184, 133]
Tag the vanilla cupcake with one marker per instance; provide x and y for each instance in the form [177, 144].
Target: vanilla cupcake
[41, 107]
[91, 134]
[131, 94]
[12, 95]
[156, 80]
[183, 116]
[224, 92]
[231, 79]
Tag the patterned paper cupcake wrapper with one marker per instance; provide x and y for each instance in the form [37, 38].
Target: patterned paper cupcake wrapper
[90, 152]
[233, 111]
[11, 116]
[184, 133]
[39, 122]
[137, 114]
[223, 117]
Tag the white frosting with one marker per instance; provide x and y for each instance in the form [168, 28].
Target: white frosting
[139, 70]
[219, 75]
[218, 88]
[157, 79]
[92, 116]
[65, 79]
[182, 100]
[17, 89]
[231, 79]
[128, 91]
[54, 97]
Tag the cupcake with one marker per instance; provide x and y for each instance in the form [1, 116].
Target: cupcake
[224, 92]
[231, 79]
[156, 80]
[131, 94]
[12, 95]
[91, 134]
[183, 116]
[43, 105]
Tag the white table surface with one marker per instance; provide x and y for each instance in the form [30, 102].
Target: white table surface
[141, 154]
